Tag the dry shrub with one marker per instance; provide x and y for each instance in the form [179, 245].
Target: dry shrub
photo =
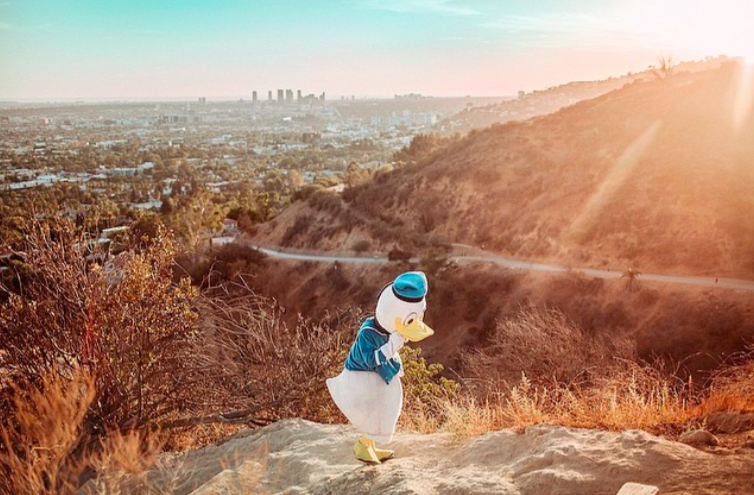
[125, 323]
[594, 391]
[732, 388]
[541, 368]
[269, 370]
[544, 345]
[160, 354]
[227, 263]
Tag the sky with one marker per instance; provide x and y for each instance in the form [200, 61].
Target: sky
[94, 49]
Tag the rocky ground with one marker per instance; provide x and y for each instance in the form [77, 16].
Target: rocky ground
[296, 457]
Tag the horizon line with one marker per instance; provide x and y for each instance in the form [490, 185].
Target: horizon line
[229, 98]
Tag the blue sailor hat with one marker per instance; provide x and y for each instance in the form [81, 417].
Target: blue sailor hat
[411, 286]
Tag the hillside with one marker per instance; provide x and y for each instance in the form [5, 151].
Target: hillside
[298, 456]
[657, 175]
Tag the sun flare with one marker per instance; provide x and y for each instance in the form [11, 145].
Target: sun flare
[704, 28]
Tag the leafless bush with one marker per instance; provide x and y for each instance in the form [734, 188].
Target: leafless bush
[261, 369]
[545, 346]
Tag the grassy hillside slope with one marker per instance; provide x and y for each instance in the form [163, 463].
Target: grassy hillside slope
[658, 175]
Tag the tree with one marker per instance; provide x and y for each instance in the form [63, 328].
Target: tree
[167, 206]
[102, 214]
[295, 179]
[666, 67]
[354, 175]
[631, 275]
[196, 216]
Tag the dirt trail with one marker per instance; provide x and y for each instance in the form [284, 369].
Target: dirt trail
[476, 255]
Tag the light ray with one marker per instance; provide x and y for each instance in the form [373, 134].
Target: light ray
[744, 99]
[622, 169]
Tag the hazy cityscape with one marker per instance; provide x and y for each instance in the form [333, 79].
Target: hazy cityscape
[308, 134]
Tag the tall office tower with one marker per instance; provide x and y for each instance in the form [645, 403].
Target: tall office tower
[280, 96]
[253, 96]
[298, 96]
[322, 96]
[289, 95]
[202, 101]
[269, 96]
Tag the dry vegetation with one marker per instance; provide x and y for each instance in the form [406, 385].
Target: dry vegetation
[564, 351]
[44, 446]
[580, 385]
[104, 365]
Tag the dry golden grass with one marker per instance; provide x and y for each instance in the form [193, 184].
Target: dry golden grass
[636, 397]
[732, 389]
[38, 441]
[45, 449]
[44, 444]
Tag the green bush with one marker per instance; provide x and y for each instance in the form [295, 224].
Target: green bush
[424, 388]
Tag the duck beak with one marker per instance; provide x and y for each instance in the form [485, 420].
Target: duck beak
[416, 331]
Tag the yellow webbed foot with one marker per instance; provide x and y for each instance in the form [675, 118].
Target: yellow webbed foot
[364, 451]
[383, 454]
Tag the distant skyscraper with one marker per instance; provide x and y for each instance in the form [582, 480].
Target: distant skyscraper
[253, 96]
[280, 96]
[269, 95]
[202, 101]
[289, 95]
[322, 96]
[298, 96]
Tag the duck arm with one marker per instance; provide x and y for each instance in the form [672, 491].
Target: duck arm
[390, 349]
[400, 365]
[365, 351]
[366, 355]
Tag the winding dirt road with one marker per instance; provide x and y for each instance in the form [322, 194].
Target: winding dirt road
[485, 257]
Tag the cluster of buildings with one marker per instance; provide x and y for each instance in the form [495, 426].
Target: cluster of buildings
[405, 118]
[23, 178]
[284, 97]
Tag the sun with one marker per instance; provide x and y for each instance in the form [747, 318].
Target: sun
[691, 30]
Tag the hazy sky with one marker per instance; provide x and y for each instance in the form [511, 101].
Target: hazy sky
[215, 48]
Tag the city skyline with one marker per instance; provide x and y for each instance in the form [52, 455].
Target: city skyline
[224, 49]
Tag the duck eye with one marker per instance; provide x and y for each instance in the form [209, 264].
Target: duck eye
[410, 321]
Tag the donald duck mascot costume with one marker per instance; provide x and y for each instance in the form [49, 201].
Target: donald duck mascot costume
[368, 391]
